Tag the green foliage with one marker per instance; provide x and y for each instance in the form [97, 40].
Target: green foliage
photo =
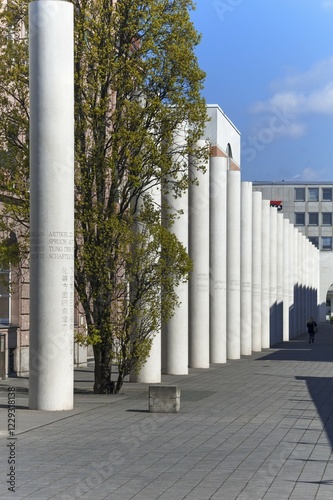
[137, 81]
[14, 126]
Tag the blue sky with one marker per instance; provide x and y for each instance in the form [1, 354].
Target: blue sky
[269, 65]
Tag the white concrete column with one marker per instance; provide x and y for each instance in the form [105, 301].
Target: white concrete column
[233, 264]
[273, 276]
[307, 270]
[218, 264]
[303, 278]
[311, 280]
[296, 283]
[265, 275]
[300, 282]
[286, 279]
[52, 205]
[256, 270]
[199, 280]
[310, 273]
[317, 285]
[175, 332]
[150, 372]
[315, 272]
[246, 268]
[291, 281]
[279, 278]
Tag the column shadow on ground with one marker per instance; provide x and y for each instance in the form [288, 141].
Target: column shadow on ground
[320, 389]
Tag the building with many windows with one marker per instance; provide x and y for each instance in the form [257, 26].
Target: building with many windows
[309, 206]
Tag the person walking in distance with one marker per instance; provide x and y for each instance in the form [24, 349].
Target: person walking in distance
[312, 329]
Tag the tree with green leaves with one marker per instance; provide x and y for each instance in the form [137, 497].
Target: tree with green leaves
[137, 81]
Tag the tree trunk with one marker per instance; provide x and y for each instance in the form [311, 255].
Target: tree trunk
[102, 384]
[118, 385]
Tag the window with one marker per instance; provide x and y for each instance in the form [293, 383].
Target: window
[299, 194]
[314, 240]
[313, 218]
[327, 218]
[313, 194]
[299, 218]
[326, 243]
[327, 194]
[4, 296]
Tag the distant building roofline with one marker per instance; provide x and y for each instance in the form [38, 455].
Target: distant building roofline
[292, 183]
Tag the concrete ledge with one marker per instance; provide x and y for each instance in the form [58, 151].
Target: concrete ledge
[164, 398]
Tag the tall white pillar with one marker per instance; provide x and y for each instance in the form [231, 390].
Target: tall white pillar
[265, 267]
[300, 281]
[273, 276]
[52, 205]
[292, 282]
[233, 264]
[317, 286]
[315, 281]
[279, 278]
[307, 270]
[246, 268]
[150, 372]
[175, 332]
[296, 283]
[256, 270]
[286, 278]
[199, 280]
[310, 273]
[218, 264]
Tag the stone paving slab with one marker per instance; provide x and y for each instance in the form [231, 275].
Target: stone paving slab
[260, 428]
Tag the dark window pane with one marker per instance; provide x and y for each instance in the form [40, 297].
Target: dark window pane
[313, 218]
[4, 281]
[299, 194]
[327, 218]
[327, 194]
[4, 309]
[299, 218]
[313, 194]
[326, 243]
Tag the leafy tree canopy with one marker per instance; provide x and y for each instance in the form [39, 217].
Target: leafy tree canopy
[137, 82]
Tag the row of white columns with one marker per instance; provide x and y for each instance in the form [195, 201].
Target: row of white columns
[254, 281]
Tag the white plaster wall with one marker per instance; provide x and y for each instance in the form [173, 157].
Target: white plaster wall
[220, 131]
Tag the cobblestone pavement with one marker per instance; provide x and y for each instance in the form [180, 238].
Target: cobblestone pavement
[260, 428]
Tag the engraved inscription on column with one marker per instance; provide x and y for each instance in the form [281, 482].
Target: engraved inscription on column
[202, 282]
[37, 247]
[220, 285]
[60, 245]
[67, 298]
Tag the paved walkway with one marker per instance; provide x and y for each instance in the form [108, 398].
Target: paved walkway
[257, 428]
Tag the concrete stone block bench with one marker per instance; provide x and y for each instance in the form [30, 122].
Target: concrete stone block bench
[164, 398]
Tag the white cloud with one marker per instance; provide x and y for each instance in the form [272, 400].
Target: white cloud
[294, 130]
[296, 97]
[312, 175]
[316, 101]
[319, 74]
